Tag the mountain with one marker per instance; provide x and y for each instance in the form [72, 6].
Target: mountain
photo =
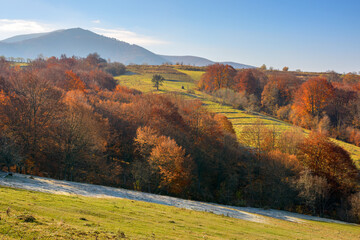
[77, 42]
[188, 60]
[199, 61]
[19, 38]
[238, 65]
[80, 42]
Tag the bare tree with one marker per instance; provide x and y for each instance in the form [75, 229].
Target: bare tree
[314, 190]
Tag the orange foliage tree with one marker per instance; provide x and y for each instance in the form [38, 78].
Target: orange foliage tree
[217, 76]
[224, 123]
[246, 81]
[174, 165]
[278, 91]
[326, 159]
[351, 78]
[166, 159]
[311, 99]
[73, 82]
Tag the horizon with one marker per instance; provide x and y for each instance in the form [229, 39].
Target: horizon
[315, 37]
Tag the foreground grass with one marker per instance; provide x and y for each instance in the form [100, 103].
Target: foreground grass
[182, 85]
[76, 217]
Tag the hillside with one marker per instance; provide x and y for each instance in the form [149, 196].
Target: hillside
[105, 216]
[239, 118]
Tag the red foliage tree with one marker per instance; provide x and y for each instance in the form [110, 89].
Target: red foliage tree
[217, 76]
[73, 82]
[351, 78]
[311, 100]
[314, 95]
[326, 159]
[246, 81]
[279, 91]
[224, 123]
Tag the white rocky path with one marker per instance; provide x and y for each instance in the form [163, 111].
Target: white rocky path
[48, 185]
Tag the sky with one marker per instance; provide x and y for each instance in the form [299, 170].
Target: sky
[310, 35]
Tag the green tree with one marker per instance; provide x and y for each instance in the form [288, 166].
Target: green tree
[157, 80]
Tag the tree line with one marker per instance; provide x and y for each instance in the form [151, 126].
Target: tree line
[329, 102]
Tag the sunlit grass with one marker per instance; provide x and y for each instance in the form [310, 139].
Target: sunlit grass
[195, 75]
[77, 217]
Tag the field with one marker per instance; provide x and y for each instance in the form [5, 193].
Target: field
[140, 78]
[34, 215]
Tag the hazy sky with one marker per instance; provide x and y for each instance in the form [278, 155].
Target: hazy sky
[312, 35]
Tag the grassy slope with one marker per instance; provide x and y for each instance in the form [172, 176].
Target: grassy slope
[239, 119]
[75, 217]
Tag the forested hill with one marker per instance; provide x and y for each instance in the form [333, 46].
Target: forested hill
[80, 42]
[76, 42]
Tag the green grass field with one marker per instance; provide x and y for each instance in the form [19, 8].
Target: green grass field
[35, 215]
[142, 81]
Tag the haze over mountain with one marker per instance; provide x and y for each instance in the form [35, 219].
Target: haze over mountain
[80, 42]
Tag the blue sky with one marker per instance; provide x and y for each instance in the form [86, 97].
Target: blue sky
[317, 35]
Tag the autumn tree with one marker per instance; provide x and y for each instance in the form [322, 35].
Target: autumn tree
[278, 92]
[333, 76]
[31, 111]
[83, 135]
[259, 137]
[174, 166]
[311, 99]
[225, 123]
[342, 107]
[10, 152]
[315, 191]
[115, 68]
[272, 98]
[73, 82]
[268, 180]
[351, 78]
[157, 80]
[94, 60]
[165, 159]
[97, 79]
[289, 140]
[246, 81]
[355, 206]
[326, 159]
[217, 76]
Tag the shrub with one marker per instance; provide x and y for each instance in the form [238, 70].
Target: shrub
[115, 68]
[355, 206]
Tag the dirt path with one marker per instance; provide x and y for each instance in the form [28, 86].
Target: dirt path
[73, 188]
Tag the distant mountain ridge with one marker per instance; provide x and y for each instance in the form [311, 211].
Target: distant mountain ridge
[199, 61]
[80, 42]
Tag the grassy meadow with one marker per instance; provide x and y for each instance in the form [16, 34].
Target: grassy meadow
[184, 82]
[35, 215]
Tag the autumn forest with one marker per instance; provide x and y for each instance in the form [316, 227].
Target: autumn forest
[68, 118]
